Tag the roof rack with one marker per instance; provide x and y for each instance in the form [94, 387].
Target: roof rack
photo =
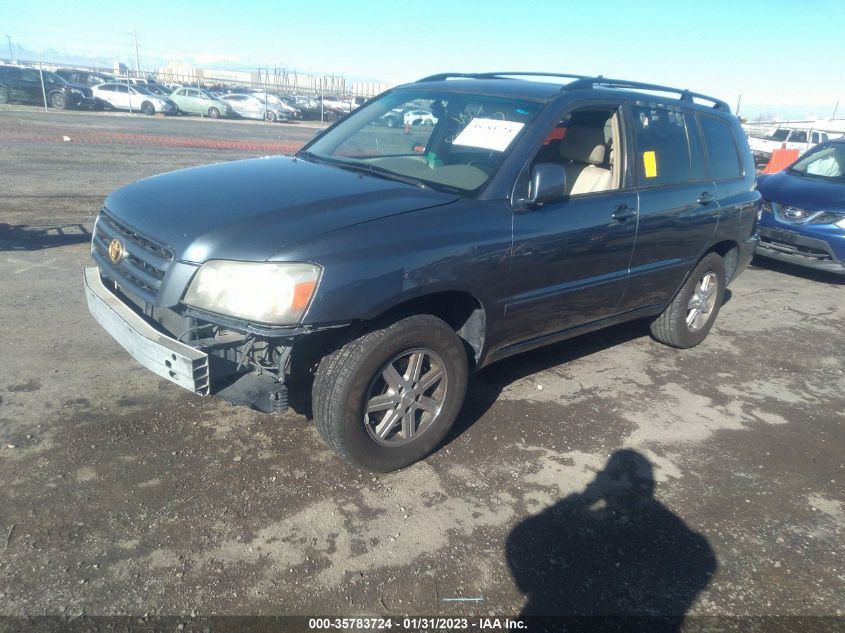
[587, 82]
[498, 75]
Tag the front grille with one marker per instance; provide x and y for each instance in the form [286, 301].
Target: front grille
[793, 215]
[827, 218]
[144, 264]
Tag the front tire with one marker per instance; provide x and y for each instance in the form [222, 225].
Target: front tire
[387, 399]
[148, 108]
[213, 113]
[688, 319]
[58, 100]
[270, 117]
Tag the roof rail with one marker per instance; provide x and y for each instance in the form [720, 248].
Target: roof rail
[497, 75]
[684, 95]
[587, 82]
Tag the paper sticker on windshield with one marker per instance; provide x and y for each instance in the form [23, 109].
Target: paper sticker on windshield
[488, 134]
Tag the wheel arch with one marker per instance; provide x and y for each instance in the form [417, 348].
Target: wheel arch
[729, 252]
[461, 310]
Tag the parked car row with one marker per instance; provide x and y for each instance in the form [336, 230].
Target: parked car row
[29, 85]
[74, 88]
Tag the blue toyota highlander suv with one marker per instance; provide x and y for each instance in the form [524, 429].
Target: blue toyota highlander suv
[802, 218]
[380, 265]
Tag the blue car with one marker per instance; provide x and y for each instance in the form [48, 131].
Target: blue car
[802, 219]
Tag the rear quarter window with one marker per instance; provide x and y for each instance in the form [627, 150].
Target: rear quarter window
[721, 149]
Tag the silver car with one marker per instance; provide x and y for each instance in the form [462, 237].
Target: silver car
[255, 107]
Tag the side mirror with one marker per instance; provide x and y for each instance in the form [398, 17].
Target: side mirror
[548, 183]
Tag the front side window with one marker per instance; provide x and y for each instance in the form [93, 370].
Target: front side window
[438, 139]
[721, 148]
[586, 144]
[663, 152]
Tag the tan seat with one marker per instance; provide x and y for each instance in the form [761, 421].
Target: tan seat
[583, 148]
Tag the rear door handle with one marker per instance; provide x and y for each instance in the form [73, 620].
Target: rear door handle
[705, 198]
[623, 213]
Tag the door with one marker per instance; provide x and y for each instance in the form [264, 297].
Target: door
[569, 261]
[253, 108]
[678, 208]
[120, 96]
[191, 101]
[28, 86]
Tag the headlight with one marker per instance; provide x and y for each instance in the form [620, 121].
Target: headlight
[277, 293]
[841, 223]
[76, 92]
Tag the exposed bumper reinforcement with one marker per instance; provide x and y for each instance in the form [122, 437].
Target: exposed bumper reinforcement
[170, 359]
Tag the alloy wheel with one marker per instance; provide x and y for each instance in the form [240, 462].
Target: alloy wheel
[406, 397]
[703, 300]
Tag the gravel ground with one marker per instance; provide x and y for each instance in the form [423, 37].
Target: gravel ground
[607, 474]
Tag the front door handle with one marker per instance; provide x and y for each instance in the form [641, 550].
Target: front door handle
[705, 198]
[623, 213]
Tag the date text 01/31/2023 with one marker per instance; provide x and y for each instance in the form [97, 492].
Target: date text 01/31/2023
[416, 624]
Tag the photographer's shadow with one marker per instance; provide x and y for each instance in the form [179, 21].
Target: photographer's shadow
[611, 550]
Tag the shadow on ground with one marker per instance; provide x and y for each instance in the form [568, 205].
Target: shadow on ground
[23, 237]
[611, 550]
[486, 386]
[810, 274]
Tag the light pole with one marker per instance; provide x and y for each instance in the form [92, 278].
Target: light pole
[11, 57]
[137, 59]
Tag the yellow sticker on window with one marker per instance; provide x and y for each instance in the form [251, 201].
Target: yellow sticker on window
[650, 164]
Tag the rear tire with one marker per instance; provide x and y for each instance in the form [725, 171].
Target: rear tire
[213, 113]
[688, 319]
[148, 108]
[387, 399]
[270, 117]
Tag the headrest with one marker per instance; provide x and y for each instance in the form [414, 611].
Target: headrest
[583, 144]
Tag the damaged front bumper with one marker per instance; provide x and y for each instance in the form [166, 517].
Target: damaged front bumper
[187, 366]
[223, 366]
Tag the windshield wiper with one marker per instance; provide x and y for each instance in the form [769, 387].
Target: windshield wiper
[305, 155]
[375, 170]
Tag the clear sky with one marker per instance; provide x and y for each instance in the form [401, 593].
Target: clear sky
[783, 56]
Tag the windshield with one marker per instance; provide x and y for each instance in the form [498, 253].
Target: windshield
[208, 95]
[143, 90]
[779, 135]
[826, 162]
[448, 141]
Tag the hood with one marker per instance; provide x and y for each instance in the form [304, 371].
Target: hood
[817, 194]
[252, 209]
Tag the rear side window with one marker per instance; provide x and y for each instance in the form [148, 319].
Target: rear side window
[663, 154]
[721, 149]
